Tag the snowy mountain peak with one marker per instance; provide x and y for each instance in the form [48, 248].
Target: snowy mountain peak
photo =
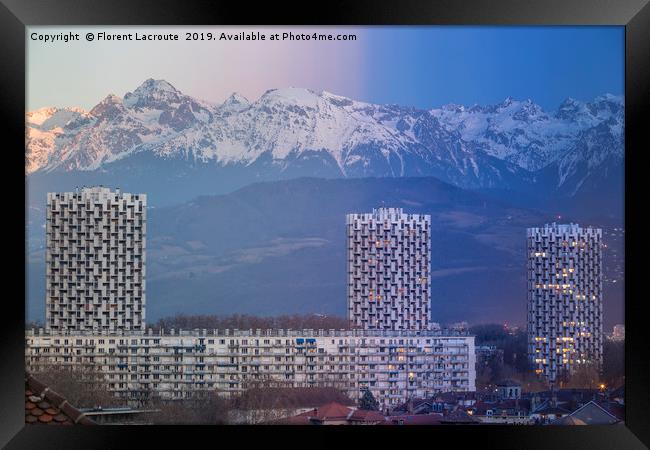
[235, 103]
[292, 95]
[40, 115]
[236, 98]
[336, 99]
[150, 85]
[453, 107]
[153, 94]
[51, 117]
[569, 101]
[507, 102]
[110, 103]
[609, 98]
[110, 99]
[571, 109]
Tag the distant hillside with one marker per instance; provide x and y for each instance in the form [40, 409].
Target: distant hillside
[279, 248]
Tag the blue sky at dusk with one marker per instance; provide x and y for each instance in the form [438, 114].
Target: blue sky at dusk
[431, 66]
[419, 66]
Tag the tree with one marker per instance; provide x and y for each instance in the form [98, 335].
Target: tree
[583, 376]
[34, 324]
[84, 387]
[208, 410]
[484, 377]
[266, 401]
[613, 362]
[514, 345]
[368, 402]
[247, 321]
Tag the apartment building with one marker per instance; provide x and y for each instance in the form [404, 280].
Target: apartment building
[95, 315]
[95, 260]
[565, 312]
[389, 270]
[394, 365]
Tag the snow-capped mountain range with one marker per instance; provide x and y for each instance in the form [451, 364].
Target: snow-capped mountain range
[319, 133]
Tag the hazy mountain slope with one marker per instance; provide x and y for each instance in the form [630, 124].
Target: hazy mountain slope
[279, 247]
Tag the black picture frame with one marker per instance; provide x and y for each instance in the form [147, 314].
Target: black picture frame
[15, 15]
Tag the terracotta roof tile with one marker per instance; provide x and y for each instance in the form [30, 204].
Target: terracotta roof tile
[295, 420]
[47, 407]
[60, 418]
[332, 411]
[415, 419]
[361, 415]
[45, 418]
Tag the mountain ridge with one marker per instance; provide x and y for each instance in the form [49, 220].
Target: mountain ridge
[510, 144]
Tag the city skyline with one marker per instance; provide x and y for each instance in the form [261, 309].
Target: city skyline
[421, 360]
[395, 354]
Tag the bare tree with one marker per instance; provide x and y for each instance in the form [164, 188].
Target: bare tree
[82, 386]
[530, 382]
[613, 362]
[245, 321]
[583, 376]
[207, 410]
[34, 324]
[266, 401]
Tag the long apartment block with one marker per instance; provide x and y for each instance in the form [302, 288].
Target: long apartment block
[95, 260]
[565, 296]
[389, 270]
[394, 365]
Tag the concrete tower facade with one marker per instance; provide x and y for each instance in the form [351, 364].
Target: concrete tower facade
[95, 261]
[565, 312]
[389, 270]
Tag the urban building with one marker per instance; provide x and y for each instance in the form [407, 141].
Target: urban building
[509, 390]
[389, 270]
[503, 412]
[565, 313]
[393, 365]
[95, 316]
[95, 261]
[334, 414]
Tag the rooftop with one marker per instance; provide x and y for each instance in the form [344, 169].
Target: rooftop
[274, 332]
[459, 417]
[45, 406]
[414, 419]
